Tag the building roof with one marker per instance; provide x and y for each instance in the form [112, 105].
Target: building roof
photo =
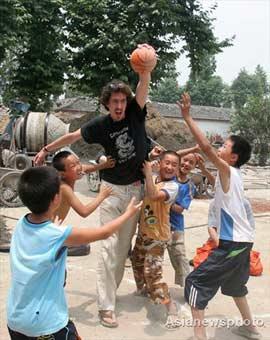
[77, 104]
[88, 104]
[197, 112]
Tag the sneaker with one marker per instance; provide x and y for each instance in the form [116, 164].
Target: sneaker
[79, 250]
[246, 332]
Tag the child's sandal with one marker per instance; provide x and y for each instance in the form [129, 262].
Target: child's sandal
[173, 320]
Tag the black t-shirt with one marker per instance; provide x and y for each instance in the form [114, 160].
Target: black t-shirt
[124, 140]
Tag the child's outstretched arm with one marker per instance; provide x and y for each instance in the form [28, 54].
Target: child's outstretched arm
[205, 172]
[184, 152]
[80, 236]
[84, 210]
[109, 163]
[203, 142]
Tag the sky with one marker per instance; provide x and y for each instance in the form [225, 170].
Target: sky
[249, 21]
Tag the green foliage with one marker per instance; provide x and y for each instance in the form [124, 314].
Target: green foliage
[206, 88]
[90, 41]
[12, 16]
[167, 91]
[39, 62]
[253, 122]
[252, 110]
[210, 92]
[102, 34]
[246, 85]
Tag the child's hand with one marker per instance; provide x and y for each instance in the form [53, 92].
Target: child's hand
[155, 152]
[57, 221]
[200, 161]
[155, 165]
[147, 168]
[215, 241]
[213, 235]
[105, 191]
[109, 163]
[133, 208]
[197, 148]
[184, 105]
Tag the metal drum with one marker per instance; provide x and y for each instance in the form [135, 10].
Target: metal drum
[37, 129]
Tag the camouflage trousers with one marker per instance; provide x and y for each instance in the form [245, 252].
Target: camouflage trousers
[177, 252]
[147, 258]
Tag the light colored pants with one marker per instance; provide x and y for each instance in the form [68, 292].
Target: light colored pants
[177, 252]
[114, 250]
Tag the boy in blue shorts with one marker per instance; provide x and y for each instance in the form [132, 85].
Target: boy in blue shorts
[186, 191]
[189, 158]
[37, 307]
[227, 267]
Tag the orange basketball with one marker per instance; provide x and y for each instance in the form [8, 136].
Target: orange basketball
[144, 58]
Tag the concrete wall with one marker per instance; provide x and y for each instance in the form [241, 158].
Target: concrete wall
[213, 127]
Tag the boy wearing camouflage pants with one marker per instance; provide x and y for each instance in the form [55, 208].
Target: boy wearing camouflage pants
[154, 234]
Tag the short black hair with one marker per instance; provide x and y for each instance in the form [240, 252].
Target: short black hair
[169, 152]
[242, 148]
[37, 188]
[57, 161]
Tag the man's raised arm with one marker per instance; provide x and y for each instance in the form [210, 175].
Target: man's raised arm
[142, 88]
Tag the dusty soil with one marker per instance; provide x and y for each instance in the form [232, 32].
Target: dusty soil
[260, 206]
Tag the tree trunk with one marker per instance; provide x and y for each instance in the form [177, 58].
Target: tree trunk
[263, 153]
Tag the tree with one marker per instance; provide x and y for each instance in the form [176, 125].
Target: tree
[39, 63]
[12, 15]
[167, 91]
[13, 18]
[253, 122]
[206, 88]
[102, 34]
[246, 85]
[211, 92]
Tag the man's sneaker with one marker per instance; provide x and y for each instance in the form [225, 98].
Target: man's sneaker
[82, 250]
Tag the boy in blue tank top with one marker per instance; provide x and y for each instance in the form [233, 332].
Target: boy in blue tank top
[189, 158]
[186, 192]
[227, 267]
[36, 306]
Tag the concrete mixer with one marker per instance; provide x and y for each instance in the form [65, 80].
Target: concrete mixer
[23, 136]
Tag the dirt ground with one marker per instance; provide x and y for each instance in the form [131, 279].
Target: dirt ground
[138, 318]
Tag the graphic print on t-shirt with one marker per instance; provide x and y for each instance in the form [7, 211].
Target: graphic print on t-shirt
[124, 145]
[150, 219]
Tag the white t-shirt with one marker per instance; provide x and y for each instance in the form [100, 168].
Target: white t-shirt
[232, 217]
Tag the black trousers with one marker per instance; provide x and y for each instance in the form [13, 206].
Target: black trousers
[227, 267]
